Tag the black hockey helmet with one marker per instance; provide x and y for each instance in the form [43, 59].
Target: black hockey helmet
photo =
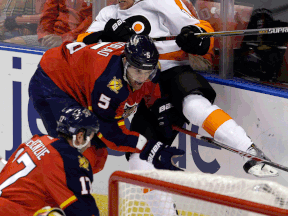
[74, 119]
[141, 52]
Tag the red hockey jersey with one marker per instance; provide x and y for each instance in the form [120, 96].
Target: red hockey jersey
[93, 76]
[45, 171]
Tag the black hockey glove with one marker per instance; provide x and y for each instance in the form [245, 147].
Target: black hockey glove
[162, 110]
[189, 43]
[93, 37]
[161, 155]
[117, 30]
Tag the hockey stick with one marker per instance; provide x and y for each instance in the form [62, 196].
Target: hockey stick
[232, 33]
[221, 145]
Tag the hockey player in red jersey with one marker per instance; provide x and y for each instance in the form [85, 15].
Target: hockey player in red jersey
[110, 79]
[46, 171]
[189, 93]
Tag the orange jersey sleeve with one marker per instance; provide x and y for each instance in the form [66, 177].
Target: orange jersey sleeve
[208, 28]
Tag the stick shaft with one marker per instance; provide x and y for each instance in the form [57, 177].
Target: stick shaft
[263, 31]
[221, 145]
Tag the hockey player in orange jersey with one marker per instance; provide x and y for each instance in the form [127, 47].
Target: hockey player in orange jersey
[46, 171]
[189, 93]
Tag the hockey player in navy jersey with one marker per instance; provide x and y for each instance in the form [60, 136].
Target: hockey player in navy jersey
[110, 79]
[189, 93]
[49, 176]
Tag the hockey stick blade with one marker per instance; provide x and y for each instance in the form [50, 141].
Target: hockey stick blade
[221, 145]
[277, 30]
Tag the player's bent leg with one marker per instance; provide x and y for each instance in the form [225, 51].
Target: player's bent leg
[199, 111]
[181, 81]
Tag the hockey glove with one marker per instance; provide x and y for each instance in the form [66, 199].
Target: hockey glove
[189, 43]
[161, 155]
[162, 110]
[48, 211]
[117, 30]
[93, 38]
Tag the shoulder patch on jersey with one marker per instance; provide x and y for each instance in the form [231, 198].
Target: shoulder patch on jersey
[83, 163]
[115, 85]
[129, 109]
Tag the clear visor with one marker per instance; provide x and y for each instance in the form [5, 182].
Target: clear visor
[138, 75]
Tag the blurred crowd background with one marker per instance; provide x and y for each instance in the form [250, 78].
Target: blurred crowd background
[259, 58]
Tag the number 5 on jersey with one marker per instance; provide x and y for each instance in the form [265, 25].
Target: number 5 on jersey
[104, 101]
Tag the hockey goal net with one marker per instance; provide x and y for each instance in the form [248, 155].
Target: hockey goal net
[160, 192]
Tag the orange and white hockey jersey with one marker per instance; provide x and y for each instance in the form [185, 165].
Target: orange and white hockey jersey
[156, 18]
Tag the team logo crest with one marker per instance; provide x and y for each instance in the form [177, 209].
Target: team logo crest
[139, 24]
[129, 109]
[115, 85]
[83, 163]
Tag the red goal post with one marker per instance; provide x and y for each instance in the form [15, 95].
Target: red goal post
[144, 180]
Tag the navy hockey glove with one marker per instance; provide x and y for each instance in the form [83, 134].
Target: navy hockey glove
[117, 30]
[189, 43]
[162, 110]
[161, 155]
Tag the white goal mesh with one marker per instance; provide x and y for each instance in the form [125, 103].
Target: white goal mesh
[193, 194]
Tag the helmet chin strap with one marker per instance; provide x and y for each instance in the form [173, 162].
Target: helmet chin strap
[125, 73]
[80, 147]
